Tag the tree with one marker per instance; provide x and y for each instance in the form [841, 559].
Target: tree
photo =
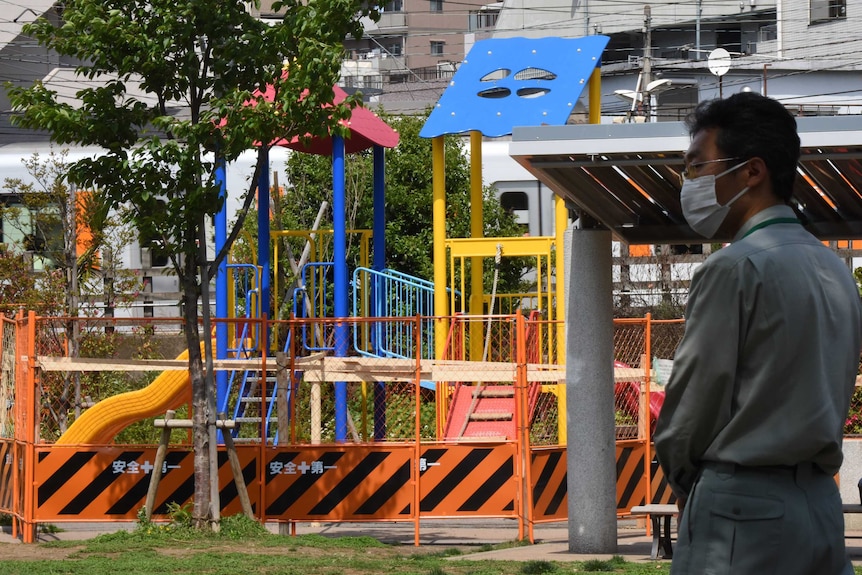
[225, 72]
[409, 234]
[70, 238]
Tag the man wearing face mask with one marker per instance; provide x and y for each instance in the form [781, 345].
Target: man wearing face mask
[749, 437]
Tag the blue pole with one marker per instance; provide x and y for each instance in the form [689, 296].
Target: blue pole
[339, 254]
[379, 228]
[263, 235]
[221, 290]
[378, 293]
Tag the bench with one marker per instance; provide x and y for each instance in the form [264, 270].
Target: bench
[660, 529]
[851, 508]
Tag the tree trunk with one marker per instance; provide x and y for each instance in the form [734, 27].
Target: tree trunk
[200, 432]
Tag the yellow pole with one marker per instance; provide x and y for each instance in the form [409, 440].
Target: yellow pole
[476, 231]
[438, 177]
[595, 95]
[595, 110]
[561, 222]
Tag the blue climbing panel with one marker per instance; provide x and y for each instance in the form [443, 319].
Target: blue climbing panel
[508, 82]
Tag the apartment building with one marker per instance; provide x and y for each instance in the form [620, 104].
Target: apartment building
[406, 57]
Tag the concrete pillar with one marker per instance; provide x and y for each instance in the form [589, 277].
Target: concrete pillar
[591, 450]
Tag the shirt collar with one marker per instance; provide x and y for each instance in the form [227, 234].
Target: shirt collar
[778, 211]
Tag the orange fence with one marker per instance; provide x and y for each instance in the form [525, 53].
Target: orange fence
[476, 434]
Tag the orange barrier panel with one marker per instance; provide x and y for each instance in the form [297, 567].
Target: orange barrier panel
[75, 483]
[358, 483]
[550, 499]
[631, 490]
[661, 492]
[549, 475]
[7, 469]
[468, 480]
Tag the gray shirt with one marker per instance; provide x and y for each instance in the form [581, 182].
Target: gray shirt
[767, 364]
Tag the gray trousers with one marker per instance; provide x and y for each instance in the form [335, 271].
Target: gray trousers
[760, 521]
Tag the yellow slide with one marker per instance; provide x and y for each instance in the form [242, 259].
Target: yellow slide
[99, 424]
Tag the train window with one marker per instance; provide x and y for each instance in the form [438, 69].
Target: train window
[514, 201]
[682, 249]
[518, 204]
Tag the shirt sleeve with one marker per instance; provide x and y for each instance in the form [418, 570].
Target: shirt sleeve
[699, 394]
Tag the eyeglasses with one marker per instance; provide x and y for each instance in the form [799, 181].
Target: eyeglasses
[690, 171]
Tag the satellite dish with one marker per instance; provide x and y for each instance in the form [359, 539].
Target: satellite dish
[719, 61]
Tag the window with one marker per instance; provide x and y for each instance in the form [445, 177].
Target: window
[437, 48]
[393, 6]
[436, 5]
[154, 253]
[827, 10]
[395, 49]
[482, 19]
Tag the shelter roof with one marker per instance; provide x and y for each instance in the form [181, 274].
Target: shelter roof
[508, 82]
[626, 176]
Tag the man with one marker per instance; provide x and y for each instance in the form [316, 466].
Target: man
[750, 433]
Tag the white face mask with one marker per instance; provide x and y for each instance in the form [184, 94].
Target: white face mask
[700, 207]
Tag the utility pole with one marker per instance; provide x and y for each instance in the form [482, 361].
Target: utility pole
[647, 66]
[697, 31]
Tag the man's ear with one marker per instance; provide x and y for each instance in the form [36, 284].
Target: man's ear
[758, 174]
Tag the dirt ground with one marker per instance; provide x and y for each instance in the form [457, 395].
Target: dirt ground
[21, 552]
[46, 551]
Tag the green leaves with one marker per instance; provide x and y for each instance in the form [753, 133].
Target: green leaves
[174, 80]
[409, 234]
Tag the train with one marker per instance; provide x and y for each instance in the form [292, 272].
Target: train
[531, 202]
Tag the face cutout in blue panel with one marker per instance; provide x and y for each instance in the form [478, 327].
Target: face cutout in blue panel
[508, 82]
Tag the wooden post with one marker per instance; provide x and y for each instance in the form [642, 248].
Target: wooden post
[169, 423]
[156, 474]
[282, 380]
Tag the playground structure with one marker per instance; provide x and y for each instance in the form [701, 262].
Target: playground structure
[296, 472]
[406, 398]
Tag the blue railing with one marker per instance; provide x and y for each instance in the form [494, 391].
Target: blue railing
[312, 299]
[385, 294]
[389, 293]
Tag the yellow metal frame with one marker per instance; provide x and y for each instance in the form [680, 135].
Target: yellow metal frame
[315, 239]
[475, 249]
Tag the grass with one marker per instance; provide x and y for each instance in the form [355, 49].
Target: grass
[242, 546]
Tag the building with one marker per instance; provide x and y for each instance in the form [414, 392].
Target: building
[406, 58]
[788, 50]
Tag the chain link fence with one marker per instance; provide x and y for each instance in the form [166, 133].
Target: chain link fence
[66, 394]
[346, 381]
[640, 345]
[853, 423]
[8, 360]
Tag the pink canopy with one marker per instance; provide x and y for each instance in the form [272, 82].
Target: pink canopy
[366, 130]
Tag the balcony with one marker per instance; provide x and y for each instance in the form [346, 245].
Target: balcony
[389, 22]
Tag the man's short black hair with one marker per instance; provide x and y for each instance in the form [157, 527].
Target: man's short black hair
[749, 125]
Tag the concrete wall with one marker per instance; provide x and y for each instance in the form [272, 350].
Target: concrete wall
[851, 472]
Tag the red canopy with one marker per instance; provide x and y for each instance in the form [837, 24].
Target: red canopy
[366, 130]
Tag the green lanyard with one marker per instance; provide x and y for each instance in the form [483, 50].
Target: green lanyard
[766, 223]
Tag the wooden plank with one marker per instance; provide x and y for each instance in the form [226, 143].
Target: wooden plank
[655, 509]
[350, 369]
[46, 363]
